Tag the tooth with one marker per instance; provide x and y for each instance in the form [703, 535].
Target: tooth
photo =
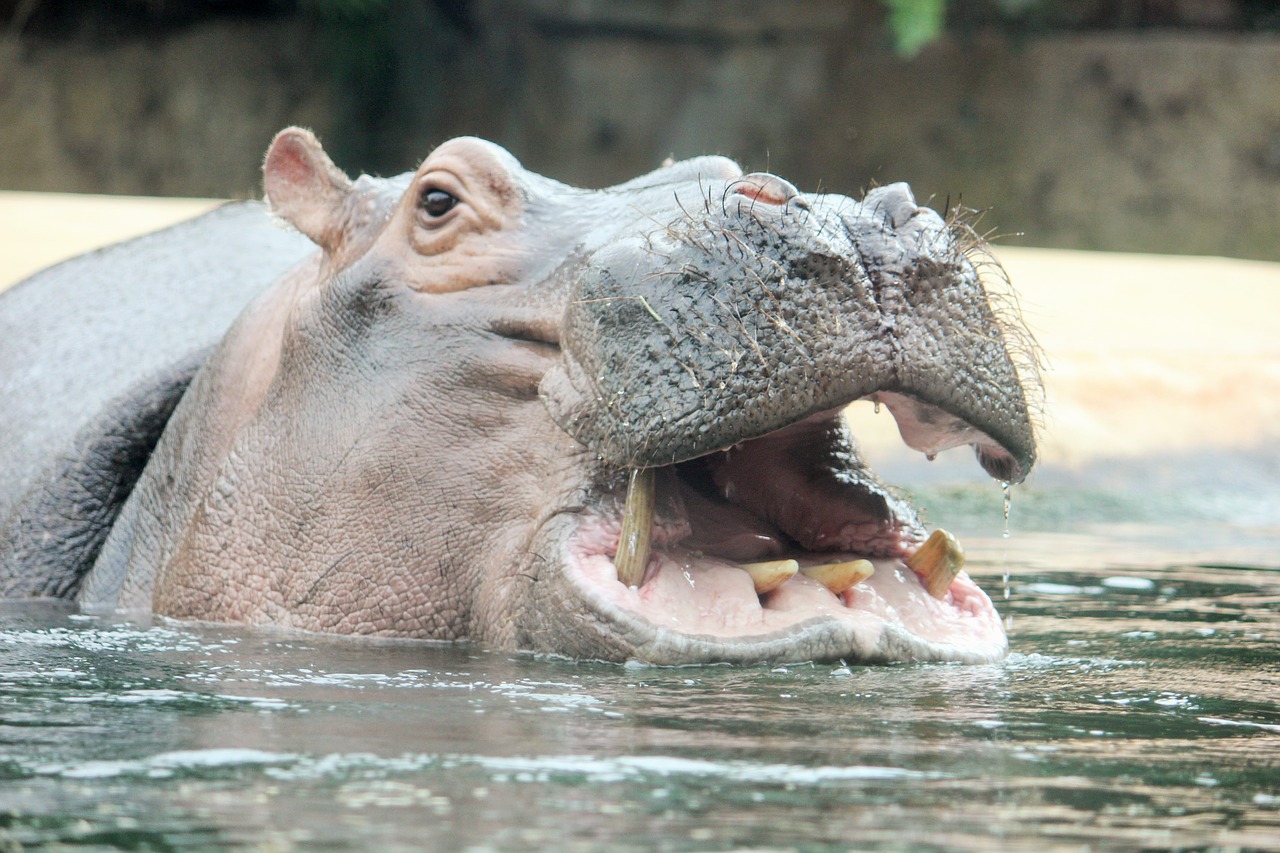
[937, 562]
[838, 577]
[769, 576]
[637, 525]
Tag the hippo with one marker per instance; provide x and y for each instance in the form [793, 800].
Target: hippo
[472, 403]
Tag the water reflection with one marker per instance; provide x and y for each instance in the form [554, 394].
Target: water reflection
[1139, 709]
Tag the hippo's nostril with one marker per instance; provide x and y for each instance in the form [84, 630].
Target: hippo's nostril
[761, 186]
[895, 202]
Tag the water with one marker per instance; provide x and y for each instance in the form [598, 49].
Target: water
[1140, 709]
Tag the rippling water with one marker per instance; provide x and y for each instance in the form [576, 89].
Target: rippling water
[1140, 709]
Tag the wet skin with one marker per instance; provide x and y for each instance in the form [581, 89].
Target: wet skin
[603, 424]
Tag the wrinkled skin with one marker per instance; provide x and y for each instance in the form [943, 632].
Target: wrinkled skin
[426, 429]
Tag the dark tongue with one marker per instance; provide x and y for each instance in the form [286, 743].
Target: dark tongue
[807, 485]
[721, 529]
[799, 489]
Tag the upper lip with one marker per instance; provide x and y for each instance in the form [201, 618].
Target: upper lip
[636, 413]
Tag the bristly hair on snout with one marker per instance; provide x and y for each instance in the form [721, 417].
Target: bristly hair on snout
[1024, 350]
[960, 240]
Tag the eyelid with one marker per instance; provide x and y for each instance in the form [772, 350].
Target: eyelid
[439, 179]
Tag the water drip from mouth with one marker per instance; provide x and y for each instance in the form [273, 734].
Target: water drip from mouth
[1004, 558]
[1008, 500]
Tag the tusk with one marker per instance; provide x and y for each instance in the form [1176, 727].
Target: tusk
[769, 576]
[937, 562]
[838, 577]
[637, 526]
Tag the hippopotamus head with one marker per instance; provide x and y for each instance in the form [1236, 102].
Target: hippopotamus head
[602, 424]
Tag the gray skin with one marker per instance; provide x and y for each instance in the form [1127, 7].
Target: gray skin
[423, 429]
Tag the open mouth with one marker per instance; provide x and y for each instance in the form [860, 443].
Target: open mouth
[786, 547]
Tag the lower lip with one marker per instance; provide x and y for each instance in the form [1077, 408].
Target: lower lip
[710, 597]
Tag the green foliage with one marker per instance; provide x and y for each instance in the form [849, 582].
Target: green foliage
[915, 23]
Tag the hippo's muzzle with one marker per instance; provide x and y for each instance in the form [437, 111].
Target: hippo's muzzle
[706, 366]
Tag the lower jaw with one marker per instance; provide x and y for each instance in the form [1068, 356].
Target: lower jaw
[695, 609]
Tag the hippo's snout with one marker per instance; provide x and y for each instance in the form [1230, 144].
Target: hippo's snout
[712, 358]
[730, 323]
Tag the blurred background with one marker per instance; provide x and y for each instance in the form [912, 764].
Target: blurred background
[1141, 125]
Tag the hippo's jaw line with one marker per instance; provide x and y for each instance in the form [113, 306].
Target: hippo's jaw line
[794, 499]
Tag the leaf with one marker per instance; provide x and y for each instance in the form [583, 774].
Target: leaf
[915, 23]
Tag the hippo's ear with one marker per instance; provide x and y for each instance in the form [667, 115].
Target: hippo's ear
[305, 188]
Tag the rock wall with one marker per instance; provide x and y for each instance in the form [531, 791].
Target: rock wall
[1153, 140]
[188, 114]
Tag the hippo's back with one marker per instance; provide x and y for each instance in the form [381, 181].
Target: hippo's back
[85, 343]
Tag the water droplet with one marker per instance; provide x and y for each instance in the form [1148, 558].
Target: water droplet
[877, 407]
[1008, 499]
[931, 456]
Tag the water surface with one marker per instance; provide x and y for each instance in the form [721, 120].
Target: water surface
[1140, 709]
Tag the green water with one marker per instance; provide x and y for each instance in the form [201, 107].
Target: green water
[1139, 710]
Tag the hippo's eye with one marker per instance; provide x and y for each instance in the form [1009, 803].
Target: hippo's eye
[438, 202]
